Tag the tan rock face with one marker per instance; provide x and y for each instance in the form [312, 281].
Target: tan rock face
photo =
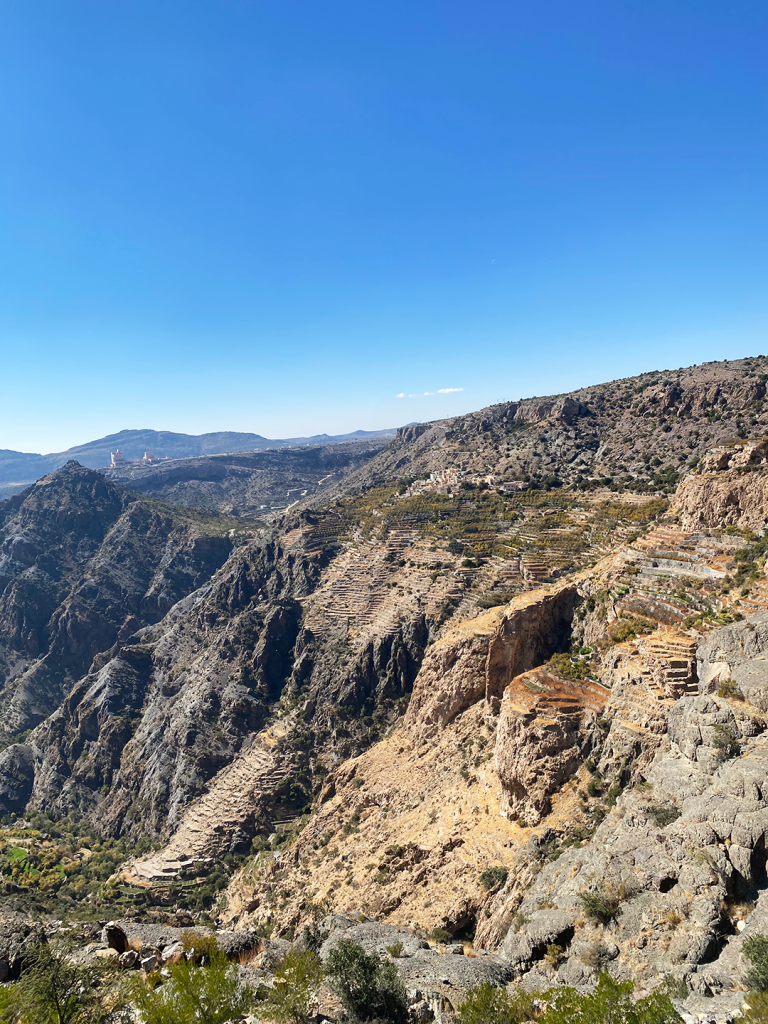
[534, 626]
[730, 456]
[452, 675]
[479, 658]
[546, 726]
[722, 499]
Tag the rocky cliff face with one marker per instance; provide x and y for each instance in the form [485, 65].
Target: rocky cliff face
[528, 716]
[82, 566]
[722, 499]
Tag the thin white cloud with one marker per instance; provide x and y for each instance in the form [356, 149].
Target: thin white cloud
[428, 394]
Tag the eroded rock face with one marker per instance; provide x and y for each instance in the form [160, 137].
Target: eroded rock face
[82, 566]
[547, 725]
[722, 499]
[479, 658]
[452, 676]
[563, 408]
[667, 882]
[17, 776]
[706, 730]
[534, 626]
[18, 935]
[738, 653]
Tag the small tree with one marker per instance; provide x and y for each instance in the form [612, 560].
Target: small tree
[725, 742]
[296, 979]
[755, 949]
[494, 877]
[367, 988]
[55, 990]
[757, 1008]
[488, 1005]
[610, 1002]
[205, 995]
[601, 905]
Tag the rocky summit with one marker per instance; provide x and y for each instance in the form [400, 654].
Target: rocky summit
[489, 699]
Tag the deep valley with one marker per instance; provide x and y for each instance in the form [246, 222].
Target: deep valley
[492, 691]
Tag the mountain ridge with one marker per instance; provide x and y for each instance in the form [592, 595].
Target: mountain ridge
[22, 468]
[487, 660]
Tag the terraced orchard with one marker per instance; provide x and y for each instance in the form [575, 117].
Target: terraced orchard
[57, 867]
[469, 780]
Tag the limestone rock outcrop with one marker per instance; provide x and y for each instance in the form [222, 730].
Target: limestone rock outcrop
[737, 654]
[480, 657]
[547, 726]
[648, 891]
[452, 676]
[722, 499]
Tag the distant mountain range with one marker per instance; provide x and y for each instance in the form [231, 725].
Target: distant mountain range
[21, 468]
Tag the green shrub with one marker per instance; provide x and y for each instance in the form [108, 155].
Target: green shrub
[492, 599]
[396, 949]
[675, 988]
[755, 949]
[55, 990]
[562, 664]
[613, 794]
[493, 878]
[596, 955]
[601, 905]
[367, 988]
[728, 688]
[440, 935]
[212, 994]
[202, 944]
[725, 743]
[488, 1005]
[757, 1008]
[629, 629]
[662, 815]
[554, 955]
[610, 1002]
[296, 979]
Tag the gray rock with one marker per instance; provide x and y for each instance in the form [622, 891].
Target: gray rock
[670, 881]
[441, 978]
[420, 1011]
[17, 777]
[738, 652]
[172, 953]
[129, 959]
[543, 928]
[371, 935]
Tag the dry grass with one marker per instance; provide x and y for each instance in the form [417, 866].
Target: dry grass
[247, 956]
[673, 918]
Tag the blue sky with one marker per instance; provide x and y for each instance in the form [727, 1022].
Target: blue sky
[278, 215]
